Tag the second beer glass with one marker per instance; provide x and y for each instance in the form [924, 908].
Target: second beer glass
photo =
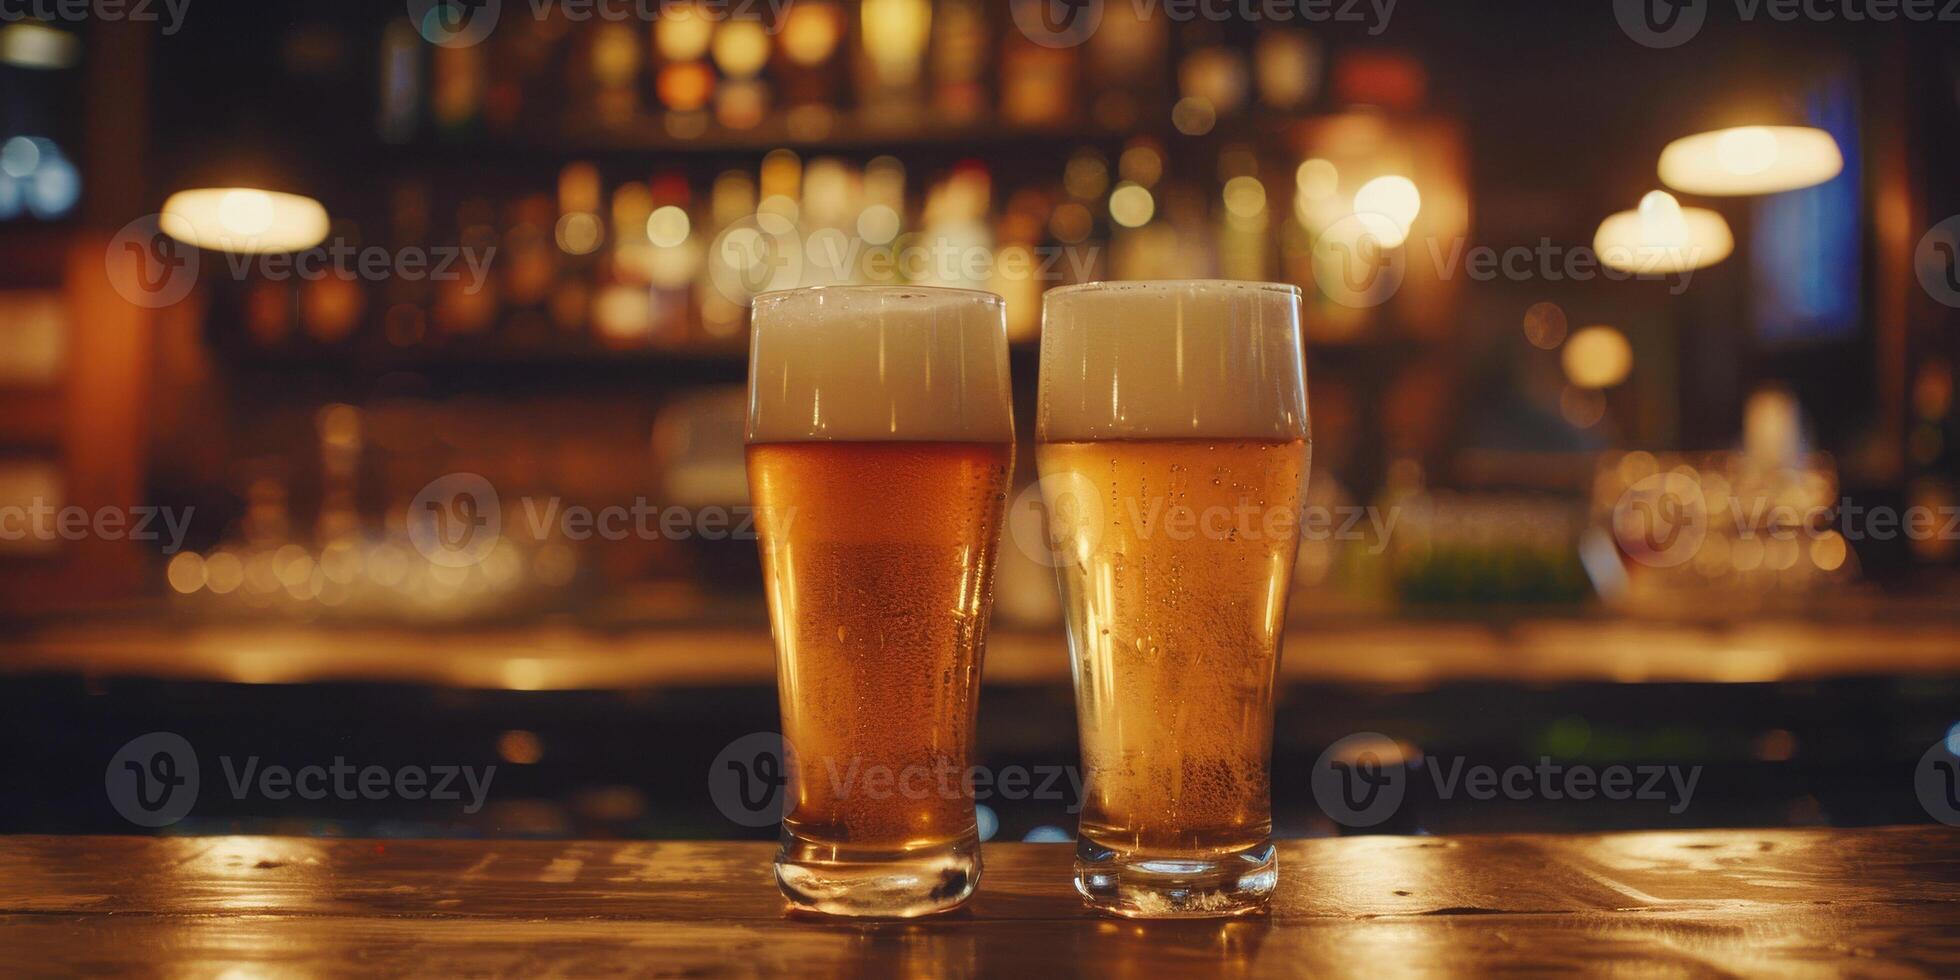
[881, 441]
[1172, 443]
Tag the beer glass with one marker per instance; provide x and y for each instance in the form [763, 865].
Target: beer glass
[880, 445]
[1173, 448]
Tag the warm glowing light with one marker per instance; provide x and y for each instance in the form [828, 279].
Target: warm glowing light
[1597, 357]
[741, 47]
[623, 313]
[1661, 236]
[668, 226]
[810, 33]
[245, 212]
[1747, 151]
[25, 44]
[685, 86]
[1545, 325]
[223, 572]
[186, 572]
[878, 224]
[1750, 160]
[1131, 205]
[244, 220]
[1140, 164]
[1193, 115]
[1071, 223]
[579, 233]
[1317, 178]
[520, 747]
[1394, 198]
[895, 34]
[1245, 197]
[683, 34]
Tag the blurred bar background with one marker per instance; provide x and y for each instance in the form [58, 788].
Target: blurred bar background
[1496, 420]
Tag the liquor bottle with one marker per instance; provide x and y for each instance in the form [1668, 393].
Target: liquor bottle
[579, 234]
[456, 88]
[806, 64]
[959, 61]
[892, 42]
[615, 65]
[1038, 83]
[674, 259]
[741, 51]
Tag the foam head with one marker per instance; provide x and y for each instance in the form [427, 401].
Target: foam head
[1174, 359]
[879, 363]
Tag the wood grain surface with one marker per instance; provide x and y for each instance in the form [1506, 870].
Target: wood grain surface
[1876, 902]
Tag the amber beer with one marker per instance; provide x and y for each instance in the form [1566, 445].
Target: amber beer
[1173, 451]
[880, 449]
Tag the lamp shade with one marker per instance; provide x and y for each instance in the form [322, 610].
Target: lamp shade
[1661, 236]
[1750, 160]
[244, 220]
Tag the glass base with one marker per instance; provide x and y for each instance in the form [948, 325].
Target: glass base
[1144, 887]
[881, 883]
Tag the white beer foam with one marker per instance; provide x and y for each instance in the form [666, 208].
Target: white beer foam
[879, 363]
[1172, 359]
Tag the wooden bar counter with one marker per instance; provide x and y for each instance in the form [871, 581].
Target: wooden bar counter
[1876, 902]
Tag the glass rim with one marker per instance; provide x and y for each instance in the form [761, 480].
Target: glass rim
[1248, 285]
[775, 296]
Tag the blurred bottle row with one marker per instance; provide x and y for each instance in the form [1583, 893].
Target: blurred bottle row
[809, 69]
